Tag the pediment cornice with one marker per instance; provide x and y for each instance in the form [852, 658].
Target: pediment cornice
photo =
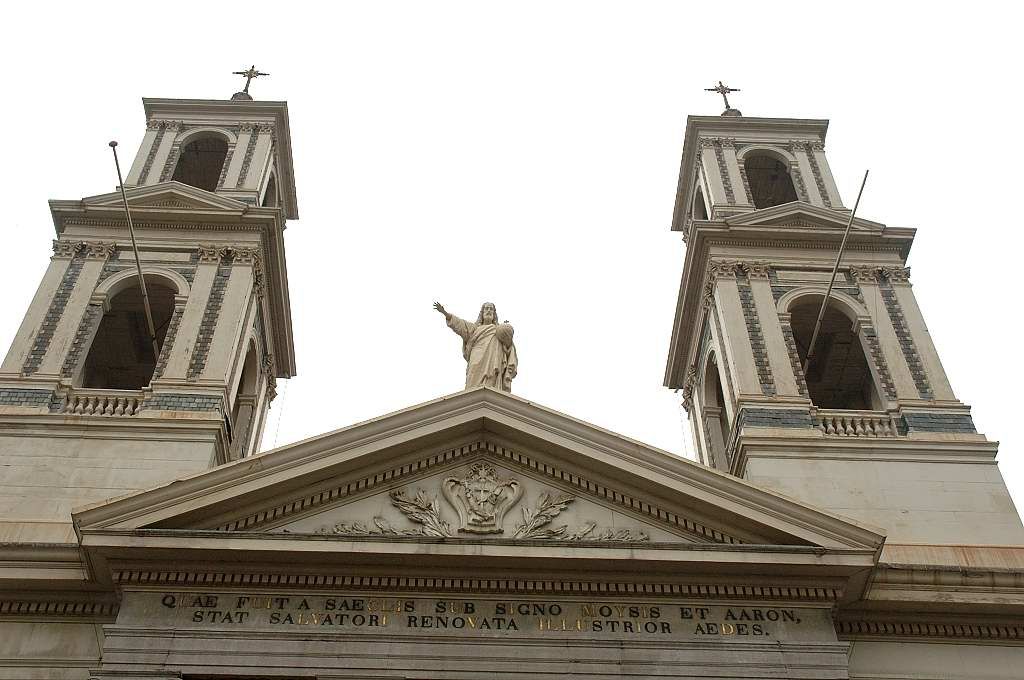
[520, 433]
[803, 215]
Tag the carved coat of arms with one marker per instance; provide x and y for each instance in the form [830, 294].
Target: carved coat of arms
[481, 499]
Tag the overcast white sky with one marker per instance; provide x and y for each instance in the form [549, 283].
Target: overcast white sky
[527, 153]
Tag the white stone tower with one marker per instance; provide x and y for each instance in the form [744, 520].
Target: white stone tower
[87, 412]
[873, 430]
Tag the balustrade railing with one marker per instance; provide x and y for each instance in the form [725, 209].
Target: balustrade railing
[857, 423]
[91, 402]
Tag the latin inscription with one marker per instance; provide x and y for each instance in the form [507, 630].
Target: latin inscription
[495, 617]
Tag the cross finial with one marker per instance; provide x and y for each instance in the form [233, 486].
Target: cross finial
[249, 74]
[724, 90]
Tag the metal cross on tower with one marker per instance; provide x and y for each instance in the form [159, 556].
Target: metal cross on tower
[249, 74]
[724, 90]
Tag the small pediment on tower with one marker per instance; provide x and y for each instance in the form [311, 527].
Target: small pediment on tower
[799, 214]
[168, 195]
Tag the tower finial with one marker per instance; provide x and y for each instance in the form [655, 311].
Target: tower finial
[724, 90]
[249, 74]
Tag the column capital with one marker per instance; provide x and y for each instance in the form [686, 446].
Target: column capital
[865, 273]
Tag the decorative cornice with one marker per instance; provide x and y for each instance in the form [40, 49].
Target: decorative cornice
[247, 127]
[58, 608]
[851, 628]
[395, 583]
[121, 224]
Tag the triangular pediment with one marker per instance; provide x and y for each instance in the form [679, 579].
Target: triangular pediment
[167, 195]
[799, 214]
[390, 478]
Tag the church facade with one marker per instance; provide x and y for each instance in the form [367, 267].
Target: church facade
[845, 519]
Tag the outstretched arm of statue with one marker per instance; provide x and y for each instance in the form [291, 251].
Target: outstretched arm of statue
[462, 328]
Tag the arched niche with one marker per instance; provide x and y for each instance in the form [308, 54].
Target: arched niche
[768, 177]
[700, 206]
[201, 159]
[121, 353]
[246, 397]
[840, 375]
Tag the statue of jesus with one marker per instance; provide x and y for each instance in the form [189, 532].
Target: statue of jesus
[487, 348]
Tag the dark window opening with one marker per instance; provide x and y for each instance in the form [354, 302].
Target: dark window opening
[769, 181]
[121, 355]
[838, 376]
[700, 208]
[243, 412]
[200, 163]
[270, 195]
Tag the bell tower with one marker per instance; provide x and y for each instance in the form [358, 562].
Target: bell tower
[872, 430]
[87, 411]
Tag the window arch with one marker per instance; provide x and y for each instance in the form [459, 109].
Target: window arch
[121, 354]
[769, 180]
[839, 376]
[700, 207]
[200, 161]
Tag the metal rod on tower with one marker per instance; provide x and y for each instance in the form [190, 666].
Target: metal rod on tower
[832, 280]
[138, 263]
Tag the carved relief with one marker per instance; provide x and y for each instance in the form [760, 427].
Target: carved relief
[96, 250]
[895, 274]
[720, 269]
[67, 248]
[246, 255]
[481, 499]
[864, 273]
[211, 254]
[688, 385]
[755, 269]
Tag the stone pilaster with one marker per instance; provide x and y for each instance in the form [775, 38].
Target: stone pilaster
[60, 325]
[735, 340]
[884, 343]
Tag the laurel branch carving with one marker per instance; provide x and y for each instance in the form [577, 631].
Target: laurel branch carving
[481, 499]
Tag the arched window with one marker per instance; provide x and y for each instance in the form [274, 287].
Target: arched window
[714, 415]
[121, 355]
[838, 376]
[243, 412]
[200, 162]
[270, 195]
[769, 181]
[700, 208]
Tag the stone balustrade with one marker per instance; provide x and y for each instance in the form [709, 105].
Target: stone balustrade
[841, 423]
[91, 402]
